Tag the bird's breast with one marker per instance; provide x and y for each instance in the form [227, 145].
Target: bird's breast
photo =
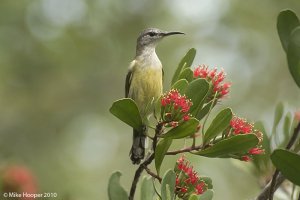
[146, 84]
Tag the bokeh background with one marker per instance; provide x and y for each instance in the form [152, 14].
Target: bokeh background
[63, 63]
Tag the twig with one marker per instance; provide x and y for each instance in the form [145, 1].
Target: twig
[278, 178]
[144, 164]
[294, 137]
[273, 184]
[152, 174]
[266, 191]
[188, 149]
[288, 147]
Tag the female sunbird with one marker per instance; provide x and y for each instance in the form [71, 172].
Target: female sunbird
[144, 83]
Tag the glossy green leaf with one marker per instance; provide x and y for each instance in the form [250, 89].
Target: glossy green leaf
[205, 110]
[208, 195]
[232, 145]
[196, 91]
[187, 74]
[180, 85]
[185, 129]
[293, 55]
[115, 190]
[193, 197]
[168, 185]
[127, 111]
[219, 124]
[185, 62]
[161, 149]
[288, 163]
[287, 21]
[147, 190]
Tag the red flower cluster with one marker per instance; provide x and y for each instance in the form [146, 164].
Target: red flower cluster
[187, 180]
[175, 108]
[216, 78]
[19, 179]
[240, 126]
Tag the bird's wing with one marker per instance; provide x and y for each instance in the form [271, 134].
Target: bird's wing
[129, 78]
[163, 74]
[127, 83]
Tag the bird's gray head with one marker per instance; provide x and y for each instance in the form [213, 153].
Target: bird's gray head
[150, 36]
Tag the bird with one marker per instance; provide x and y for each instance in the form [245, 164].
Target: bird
[144, 83]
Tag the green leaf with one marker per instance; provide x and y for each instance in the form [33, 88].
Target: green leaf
[161, 149]
[187, 74]
[208, 195]
[205, 109]
[278, 113]
[168, 185]
[207, 181]
[288, 163]
[277, 116]
[219, 124]
[127, 111]
[287, 21]
[185, 62]
[185, 129]
[286, 129]
[115, 190]
[180, 85]
[147, 190]
[293, 55]
[196, 91]
[232, 145]
[287, 124]
[193, 197]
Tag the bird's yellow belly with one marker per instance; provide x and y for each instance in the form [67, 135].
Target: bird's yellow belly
[146, 85]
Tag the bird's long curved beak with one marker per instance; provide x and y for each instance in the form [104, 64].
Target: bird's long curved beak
[172, 33]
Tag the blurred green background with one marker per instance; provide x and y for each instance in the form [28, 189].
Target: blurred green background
[63, 63]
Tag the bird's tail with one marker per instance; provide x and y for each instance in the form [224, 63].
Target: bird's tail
[137, 152]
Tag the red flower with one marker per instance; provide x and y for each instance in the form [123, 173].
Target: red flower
[256, 151]
[175, 107]
[186, 117]
[240, 126]
[187, 180]
[200, 188]
[173, 124]
[246, 158]
[216, 78]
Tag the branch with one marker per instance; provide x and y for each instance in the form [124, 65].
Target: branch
[153, 174]
[294, 137]
[278, 178]
[288, 147]
[188, 149]
[144, 164]
[266, 191]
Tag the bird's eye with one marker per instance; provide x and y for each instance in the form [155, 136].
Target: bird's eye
[151, 34]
